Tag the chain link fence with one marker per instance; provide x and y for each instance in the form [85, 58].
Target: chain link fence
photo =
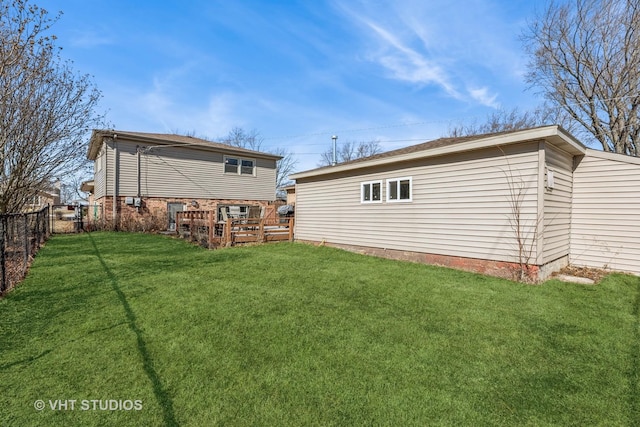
[67, 218]
[21, 235]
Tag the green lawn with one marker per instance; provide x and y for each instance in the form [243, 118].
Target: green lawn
[291, 334]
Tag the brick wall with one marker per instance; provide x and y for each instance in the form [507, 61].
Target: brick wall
[505, 270]
[157, 207]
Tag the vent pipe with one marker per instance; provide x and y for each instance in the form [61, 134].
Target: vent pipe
[334, 161]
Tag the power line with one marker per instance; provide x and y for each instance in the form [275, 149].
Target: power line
[333, 132]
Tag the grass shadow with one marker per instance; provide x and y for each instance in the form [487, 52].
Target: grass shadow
[24, 361]
[158, 390]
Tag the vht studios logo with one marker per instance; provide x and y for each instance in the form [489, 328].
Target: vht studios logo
[88, 405]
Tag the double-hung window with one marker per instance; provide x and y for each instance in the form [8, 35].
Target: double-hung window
[371, 192]
[399, 190]
[238, 166]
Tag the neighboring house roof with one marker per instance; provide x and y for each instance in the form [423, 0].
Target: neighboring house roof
[99, 135]
[438, 147]
[87, 186]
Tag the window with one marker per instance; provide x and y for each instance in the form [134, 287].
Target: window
[230, 165]
[371, 192]
[239, 166]
[247, 167]
[399, 190]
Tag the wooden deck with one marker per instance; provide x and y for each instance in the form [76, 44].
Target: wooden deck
[202, 226]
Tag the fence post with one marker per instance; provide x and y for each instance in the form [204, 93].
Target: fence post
[227, 232]
[3, 257]
[212, 224]
[261, 236]
[27, 240]
[291, 221]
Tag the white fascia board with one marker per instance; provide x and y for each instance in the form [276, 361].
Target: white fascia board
[553, 134]
[613, 156]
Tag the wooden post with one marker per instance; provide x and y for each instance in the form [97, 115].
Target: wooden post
[212, 225]
[291, 221]
[261, 237]
[227, 232]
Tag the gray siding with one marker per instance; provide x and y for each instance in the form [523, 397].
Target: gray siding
[186, 173]
[100, 178]
[605, 228]
[557, 204]
[461, 205]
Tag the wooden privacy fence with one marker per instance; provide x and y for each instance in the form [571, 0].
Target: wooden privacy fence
[203, 226]
[21, 235]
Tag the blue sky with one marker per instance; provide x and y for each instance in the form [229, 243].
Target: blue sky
[298, 72]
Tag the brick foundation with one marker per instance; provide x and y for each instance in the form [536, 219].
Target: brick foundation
[502, 269]
[156, 207]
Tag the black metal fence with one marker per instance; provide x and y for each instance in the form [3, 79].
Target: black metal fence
[21, 235]
[67, 218]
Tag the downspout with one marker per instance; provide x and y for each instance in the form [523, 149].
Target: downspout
[138, 149]
[115, 180]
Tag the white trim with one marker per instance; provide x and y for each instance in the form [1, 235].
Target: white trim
[238, 166]
[612, 156]
[370, 183]
[398, 180]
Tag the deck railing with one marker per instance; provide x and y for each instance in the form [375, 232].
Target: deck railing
[202, 226]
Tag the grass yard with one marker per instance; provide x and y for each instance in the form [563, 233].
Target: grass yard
[291, 334]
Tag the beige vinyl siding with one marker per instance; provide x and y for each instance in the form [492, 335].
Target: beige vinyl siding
[460, 207]
[605, 229]
[185, 173]
[557, 204]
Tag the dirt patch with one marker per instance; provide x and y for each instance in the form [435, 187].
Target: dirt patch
[595, 274]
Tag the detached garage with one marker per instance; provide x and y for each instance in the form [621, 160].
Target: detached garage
[519, 204]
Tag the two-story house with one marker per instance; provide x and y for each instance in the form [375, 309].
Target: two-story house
[138, 174]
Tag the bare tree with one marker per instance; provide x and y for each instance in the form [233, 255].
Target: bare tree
[511, 120]
[46, 109]
[252, 140]
[525, 232]
[350, 150]
[585, 59]
[238, 137]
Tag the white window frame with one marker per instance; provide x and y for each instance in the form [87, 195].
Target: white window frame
[370, 184]
[239, 166]
[397, 183]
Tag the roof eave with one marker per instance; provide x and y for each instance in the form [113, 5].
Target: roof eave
[98, 136]
[554, 134]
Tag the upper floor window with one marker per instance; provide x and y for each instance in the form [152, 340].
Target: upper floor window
[239, 166]
[399, 190]
[247, 167]
[371, 192]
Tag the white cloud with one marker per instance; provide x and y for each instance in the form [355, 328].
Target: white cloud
[407, 64]
[441, 44]
[90, 39]
[483, 96]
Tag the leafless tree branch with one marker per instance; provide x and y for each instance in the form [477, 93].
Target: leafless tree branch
[350, 150]
[585, 59]
[46, 109]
